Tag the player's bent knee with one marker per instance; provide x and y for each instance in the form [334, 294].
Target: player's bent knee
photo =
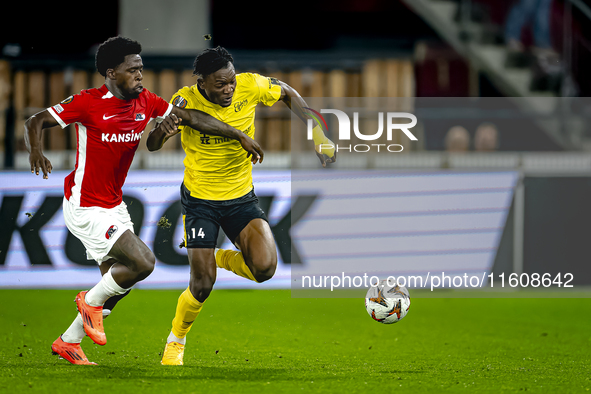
[264, 269]
[263, 276]
[201, 287]
[145, 266]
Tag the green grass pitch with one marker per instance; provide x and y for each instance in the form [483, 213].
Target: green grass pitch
[266, 341]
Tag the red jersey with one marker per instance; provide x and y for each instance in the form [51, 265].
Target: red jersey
[108, 133]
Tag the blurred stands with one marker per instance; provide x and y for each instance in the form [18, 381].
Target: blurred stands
[469, 60]
[26, 88]
[477, 55]
[474, 28]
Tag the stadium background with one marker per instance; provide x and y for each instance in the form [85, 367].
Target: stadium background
[351, 49]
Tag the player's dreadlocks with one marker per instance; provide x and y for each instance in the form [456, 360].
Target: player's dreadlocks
[211, 60]
[112, 52]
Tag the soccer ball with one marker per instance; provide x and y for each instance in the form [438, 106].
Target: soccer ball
[387, 302]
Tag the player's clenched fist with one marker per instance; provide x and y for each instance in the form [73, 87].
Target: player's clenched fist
[170, 125]
[163, 131]
[255, 152]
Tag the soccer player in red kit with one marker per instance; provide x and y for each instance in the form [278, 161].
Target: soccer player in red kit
[109, 122]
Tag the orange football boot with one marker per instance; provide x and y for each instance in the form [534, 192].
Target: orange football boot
[70, 351]
[92, 316]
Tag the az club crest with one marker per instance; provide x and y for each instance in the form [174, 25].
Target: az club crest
[112, 230]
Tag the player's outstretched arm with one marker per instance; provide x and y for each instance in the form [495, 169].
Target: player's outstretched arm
[207, 124]
[324, 147]
[33, 133]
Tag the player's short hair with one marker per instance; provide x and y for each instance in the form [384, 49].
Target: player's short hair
[112, 52]
[211, 60]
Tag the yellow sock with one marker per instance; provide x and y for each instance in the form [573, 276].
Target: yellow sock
[232, 260]
[187, 309]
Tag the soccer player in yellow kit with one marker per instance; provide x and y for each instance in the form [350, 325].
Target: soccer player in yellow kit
[217, 189]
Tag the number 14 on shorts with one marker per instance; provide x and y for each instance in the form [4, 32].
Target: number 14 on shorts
[200, 233]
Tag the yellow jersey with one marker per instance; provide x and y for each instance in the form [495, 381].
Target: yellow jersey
[216, 168]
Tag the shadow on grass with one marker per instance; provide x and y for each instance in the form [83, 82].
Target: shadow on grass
[236, 373]
[394, 371]
[232, 373]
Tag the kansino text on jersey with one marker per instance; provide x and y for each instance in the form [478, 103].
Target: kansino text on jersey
[362, 148]
[129, 137]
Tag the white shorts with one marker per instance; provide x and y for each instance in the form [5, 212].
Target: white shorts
[97, 228]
